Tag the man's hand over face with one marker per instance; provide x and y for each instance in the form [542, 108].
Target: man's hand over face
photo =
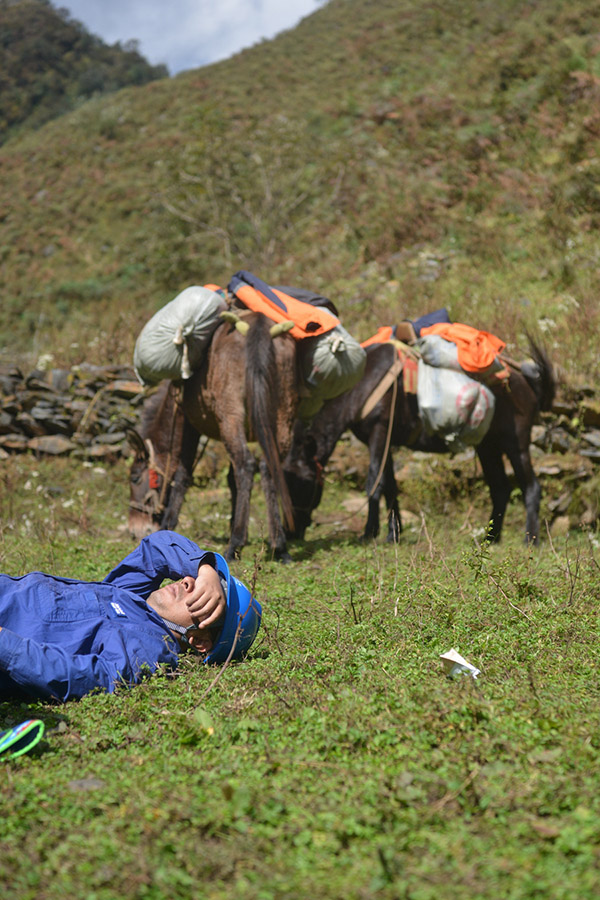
[206, 603]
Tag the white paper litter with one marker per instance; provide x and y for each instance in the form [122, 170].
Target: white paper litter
[455, 664]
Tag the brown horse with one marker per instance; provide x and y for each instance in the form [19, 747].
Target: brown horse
[245, 390]
[517, 403]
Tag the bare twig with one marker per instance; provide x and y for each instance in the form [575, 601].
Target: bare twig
[506, 597]
[453, 577]
[223, 667]
[467, 521]
[275, 634]
[573, 577]
[425, 531]
[550, 541]
[356, 617]
[453, 795]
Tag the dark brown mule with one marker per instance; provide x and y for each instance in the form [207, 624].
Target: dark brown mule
[246, 390]
[517, 405]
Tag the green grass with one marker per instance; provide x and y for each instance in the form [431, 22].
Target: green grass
[338, 760]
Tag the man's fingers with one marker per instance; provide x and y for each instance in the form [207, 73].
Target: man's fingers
[205, 603]
[213, 617]
[207, 608]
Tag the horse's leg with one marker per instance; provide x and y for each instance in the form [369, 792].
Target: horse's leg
[518, 453]
[390, 492]
[243, 465]
[181, 482]
[271, 401]
[182, 479]
[232, 493]
[377, 441]
[276, 532]
[499, 486]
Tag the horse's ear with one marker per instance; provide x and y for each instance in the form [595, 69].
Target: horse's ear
[136, 443]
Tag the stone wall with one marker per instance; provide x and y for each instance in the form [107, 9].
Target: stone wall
[84, 411]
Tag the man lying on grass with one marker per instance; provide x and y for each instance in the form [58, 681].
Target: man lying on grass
[61, 638]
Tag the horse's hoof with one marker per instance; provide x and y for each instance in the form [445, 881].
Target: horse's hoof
[283, 557]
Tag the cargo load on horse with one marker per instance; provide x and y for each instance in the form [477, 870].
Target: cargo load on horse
[457, 367]
[331, 360]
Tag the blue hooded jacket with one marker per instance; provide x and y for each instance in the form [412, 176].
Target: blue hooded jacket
[61, 638]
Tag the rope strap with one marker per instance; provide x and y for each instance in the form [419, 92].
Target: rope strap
[384, 385]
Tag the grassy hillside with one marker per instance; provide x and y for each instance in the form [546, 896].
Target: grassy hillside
[396, 155]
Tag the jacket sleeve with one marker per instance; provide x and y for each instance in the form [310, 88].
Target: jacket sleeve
[48, 671]
[163, 554]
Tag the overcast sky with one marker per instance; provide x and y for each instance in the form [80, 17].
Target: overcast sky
[186, 34]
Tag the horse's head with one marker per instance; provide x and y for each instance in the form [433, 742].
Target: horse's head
[146, 488]
[304, 478]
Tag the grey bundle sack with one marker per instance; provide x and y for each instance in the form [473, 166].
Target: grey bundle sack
[173, 343]
[330, 364]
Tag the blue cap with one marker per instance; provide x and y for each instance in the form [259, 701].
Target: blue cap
[242, 618]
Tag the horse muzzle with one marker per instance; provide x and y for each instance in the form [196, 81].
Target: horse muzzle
[144, 516]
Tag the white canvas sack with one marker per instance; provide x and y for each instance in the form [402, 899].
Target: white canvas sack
[172, 344]
[454, 406]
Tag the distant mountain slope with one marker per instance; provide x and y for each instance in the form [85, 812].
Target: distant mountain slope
[49, 63]
[396, 155]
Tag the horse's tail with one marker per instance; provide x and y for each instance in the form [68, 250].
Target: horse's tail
[540, 375]
[262, 390]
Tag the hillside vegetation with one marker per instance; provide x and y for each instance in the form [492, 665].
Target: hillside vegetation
[396, 155]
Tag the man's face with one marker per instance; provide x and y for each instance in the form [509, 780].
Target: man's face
[170, 601]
